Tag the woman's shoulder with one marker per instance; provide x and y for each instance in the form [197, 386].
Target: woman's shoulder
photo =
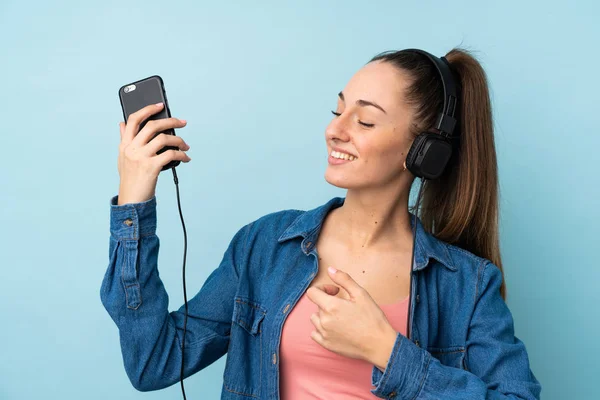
[278, 218]
[462, 254]
[465, 260]
[274, 223]
[471, 273]
[291, 222]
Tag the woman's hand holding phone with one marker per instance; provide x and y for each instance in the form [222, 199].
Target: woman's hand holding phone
[138, 163]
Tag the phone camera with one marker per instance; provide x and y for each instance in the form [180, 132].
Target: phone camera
[129, 88]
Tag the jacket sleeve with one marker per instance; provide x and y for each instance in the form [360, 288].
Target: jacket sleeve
[135, 298]
[497, 360]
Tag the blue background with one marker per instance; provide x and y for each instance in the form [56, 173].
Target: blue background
[256, 83]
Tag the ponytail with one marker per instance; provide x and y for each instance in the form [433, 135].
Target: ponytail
[460, 207]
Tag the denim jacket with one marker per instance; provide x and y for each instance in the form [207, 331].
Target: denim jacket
[461, 344]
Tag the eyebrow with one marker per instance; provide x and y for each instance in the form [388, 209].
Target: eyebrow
[363, 103]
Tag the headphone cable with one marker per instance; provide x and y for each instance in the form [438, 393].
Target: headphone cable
[184, 290]
[412, 257]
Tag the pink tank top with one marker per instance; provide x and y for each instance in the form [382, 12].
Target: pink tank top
[309, 371]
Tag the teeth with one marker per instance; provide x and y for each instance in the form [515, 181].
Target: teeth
[342, 156]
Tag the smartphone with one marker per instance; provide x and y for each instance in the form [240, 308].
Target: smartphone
[139, 94]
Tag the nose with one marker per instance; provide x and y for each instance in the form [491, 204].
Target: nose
[337, 130]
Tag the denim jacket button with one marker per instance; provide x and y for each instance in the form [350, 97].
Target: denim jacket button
[274, 358]
[417, 343]
[128, 222]
[287, 306]
[418, 299]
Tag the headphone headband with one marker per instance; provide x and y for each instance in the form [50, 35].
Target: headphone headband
[446, 121]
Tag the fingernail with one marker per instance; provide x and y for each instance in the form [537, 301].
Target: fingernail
[184, 121]
[332, 270]
[159, 104]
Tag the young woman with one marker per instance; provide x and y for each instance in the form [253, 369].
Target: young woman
[292, 327]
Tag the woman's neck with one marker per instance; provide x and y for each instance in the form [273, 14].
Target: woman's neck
[374, 219]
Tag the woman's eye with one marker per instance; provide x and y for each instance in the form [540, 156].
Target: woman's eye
[360, 122]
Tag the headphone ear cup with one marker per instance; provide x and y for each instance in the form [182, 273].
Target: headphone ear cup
[411, 157]
[428, 155]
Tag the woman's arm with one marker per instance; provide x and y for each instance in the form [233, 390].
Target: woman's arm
[135, 297]
[497, 360]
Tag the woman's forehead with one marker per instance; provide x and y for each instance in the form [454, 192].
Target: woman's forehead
[377, 81]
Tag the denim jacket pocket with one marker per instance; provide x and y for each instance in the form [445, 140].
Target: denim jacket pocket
[244, 366]
[450, 356]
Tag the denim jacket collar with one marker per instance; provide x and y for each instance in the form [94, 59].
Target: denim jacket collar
[308, 225]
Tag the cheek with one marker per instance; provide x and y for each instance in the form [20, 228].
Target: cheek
[383, 163]
[393, 153]
[386, 155]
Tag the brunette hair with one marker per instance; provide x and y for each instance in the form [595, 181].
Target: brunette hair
[461, 206]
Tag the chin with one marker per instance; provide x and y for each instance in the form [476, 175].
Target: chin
[339, 179]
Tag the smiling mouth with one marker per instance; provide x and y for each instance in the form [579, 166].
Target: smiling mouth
[342, 156]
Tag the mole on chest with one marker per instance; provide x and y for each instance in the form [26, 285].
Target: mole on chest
[385, 282]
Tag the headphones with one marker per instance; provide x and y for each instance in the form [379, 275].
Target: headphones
[430, 152]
